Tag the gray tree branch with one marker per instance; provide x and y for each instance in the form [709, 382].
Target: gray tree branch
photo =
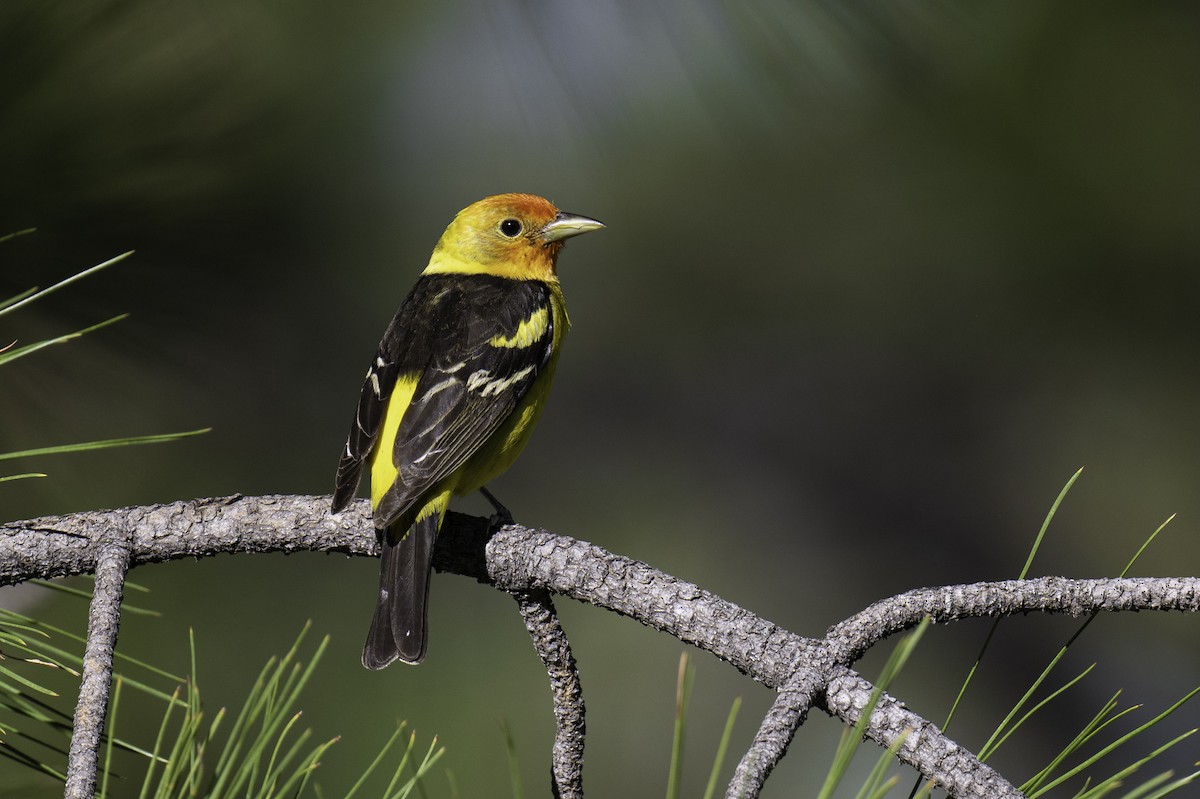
[806, 672]
[104, 621]
[550, 641]
[774, 736]
[851, 638]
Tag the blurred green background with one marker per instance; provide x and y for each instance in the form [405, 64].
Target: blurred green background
[877, 280]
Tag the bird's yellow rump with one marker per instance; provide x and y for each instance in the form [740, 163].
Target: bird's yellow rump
[453, 393]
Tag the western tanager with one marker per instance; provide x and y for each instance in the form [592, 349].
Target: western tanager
[453, 392]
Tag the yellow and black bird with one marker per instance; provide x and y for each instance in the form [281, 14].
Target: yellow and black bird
[453, 393]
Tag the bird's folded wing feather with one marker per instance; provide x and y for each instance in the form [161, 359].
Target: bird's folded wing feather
[476, 344]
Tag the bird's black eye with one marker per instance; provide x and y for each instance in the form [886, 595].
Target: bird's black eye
[510, 227]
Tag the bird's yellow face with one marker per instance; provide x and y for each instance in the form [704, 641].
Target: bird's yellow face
[516, 236]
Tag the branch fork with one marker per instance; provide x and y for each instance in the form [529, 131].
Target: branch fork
[532, 565]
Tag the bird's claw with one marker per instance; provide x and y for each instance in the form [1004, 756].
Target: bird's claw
[502, 517]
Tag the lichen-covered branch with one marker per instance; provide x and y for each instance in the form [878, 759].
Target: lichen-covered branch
[919, 742]
[550, 641]
[806, 672]
[104, 620]
[851, 638]
[774, 736]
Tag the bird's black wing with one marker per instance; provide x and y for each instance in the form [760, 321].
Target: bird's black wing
[494, 337]
[368, 417]
[477, 343]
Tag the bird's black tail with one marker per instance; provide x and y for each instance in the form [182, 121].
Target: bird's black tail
[398, 630]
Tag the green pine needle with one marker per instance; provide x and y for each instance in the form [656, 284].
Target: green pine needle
[32, 296]
[19, 352]
[1037, 542]
[25, 476]
[14, 234]
[722, 747]
[1120, 741]
[1174, 786]
[432, 755]
[13, 300]
[23, 680]
[1033, 550]
[106, 444]
[379, 758]
[852, 739]
[683, 693]
[107, 769]
[1001, 733]
[877, 785]
[1098, 722]
[79, 593]
[1145, 545]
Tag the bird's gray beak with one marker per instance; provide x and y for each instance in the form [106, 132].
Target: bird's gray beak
[565, 225]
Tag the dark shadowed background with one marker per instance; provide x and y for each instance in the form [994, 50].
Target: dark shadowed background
[876, 281]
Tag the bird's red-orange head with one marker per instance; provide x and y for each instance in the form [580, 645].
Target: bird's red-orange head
[509, 235]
